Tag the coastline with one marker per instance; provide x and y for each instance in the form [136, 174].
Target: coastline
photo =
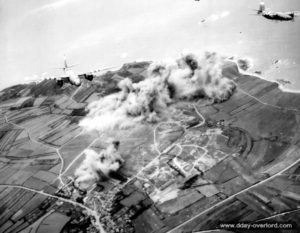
[252, 74]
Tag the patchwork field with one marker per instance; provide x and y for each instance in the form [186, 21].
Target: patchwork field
[211, 163]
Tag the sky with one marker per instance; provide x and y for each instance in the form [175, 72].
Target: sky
[35, 34]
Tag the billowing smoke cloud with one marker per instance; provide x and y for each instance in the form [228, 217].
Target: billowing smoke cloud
[147, 100]
[98, 166]
[192, 77]
[188, 77]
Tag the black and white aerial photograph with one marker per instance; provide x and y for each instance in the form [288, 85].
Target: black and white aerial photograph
[149, 116]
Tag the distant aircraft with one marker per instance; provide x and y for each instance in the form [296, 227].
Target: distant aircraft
[274, 15]
[72, 78]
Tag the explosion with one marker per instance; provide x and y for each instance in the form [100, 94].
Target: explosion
[147, 100]
[150, 100]
[98, 166]
[191, 77]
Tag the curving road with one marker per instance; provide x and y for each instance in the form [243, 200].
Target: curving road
[90, 211]
[246, 189]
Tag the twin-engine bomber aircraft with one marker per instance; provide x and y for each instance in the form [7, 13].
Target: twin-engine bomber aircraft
[72, 78]
[273, 15]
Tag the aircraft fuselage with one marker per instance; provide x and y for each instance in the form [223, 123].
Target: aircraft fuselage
[74, 79]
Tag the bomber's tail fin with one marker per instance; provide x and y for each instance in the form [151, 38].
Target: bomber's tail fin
[262, 8]
[66, 64]
[66, 67]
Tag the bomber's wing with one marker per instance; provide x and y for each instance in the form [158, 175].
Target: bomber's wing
[87, 76]
[90, 75]
[61, 80]
[279, 15]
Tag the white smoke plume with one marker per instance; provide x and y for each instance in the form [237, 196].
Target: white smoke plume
[144, 101]
[98, 166]
[192, 77]
[149, 100]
